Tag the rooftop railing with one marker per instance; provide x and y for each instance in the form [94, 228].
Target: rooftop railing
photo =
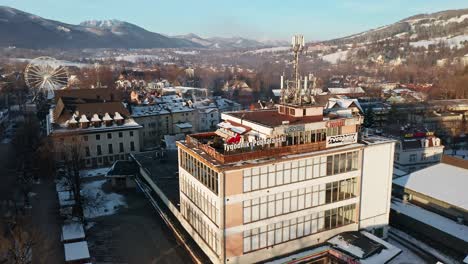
[266, 151]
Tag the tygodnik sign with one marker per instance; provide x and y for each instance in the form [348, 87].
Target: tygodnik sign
[251, 144]
[339, 140]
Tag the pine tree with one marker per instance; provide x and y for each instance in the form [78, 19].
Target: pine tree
[369, 117]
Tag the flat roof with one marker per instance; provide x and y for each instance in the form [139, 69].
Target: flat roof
[429, 218]
[442, 181]
[272, 118]
[164, 173]
[264, 160]
[72, 231]
[76, 251]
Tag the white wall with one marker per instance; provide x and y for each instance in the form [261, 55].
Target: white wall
[376, 185]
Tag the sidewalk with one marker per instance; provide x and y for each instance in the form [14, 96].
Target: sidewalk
[45, 217]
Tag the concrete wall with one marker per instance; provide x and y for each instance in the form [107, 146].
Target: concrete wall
[376, 185]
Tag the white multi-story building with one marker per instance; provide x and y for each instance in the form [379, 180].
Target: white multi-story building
[271, 182]
[417, 151]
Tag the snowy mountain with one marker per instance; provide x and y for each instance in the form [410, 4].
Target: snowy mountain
[430, 39]
[24, 30]
[231, 43]
[423, 27]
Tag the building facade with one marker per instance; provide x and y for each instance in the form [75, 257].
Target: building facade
[417, 150]
[172, 114]
[270, 182]
[100, 133]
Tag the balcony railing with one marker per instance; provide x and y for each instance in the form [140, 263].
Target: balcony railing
[250, 154]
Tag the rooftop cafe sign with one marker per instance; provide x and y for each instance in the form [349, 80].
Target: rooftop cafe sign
[339, 140]
[419, 134]
[254, 143]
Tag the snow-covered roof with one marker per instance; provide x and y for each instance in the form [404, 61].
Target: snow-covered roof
[348, 90]
[118, 116]
[149, 110]
[276, 92]
[76, 251]
[95, 118]
[107, 117]
[368, 248]
[437, 221]
[184, 125]
[72, 231]
[343, 103]
[83, 119]
[442, 181]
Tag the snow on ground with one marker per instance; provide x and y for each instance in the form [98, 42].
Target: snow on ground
[444, 224]
[453, 42]
[99, 203]
[182, 52]
[60, 62]
[137, 58]
[94, 172]
[274, 49]
[334, 57]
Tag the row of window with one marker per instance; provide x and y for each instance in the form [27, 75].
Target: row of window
[109, 135]
[110, 149]
[296, 200]
[303, 137]
[208, 234]
[201, 200]
[289, 172]
[413, 157]
[105, 160]
[200, 171]
[288, 230]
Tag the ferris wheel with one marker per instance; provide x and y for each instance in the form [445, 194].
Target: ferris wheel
[46, 74]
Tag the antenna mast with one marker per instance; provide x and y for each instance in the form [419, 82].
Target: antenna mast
[297, 46]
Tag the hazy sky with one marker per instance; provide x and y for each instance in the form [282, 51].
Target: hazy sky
[259, 19]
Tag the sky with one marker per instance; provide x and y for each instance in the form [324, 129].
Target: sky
[257, 19]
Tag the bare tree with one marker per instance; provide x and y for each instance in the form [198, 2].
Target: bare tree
[17, 240]
[73, 163]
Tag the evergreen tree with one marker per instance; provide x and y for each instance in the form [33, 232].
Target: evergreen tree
[369, 117]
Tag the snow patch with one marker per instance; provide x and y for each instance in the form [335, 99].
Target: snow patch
[103, 203]
[94, 172]
[333, 58]
[192, 52]
[64, 29]
[265, 50]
